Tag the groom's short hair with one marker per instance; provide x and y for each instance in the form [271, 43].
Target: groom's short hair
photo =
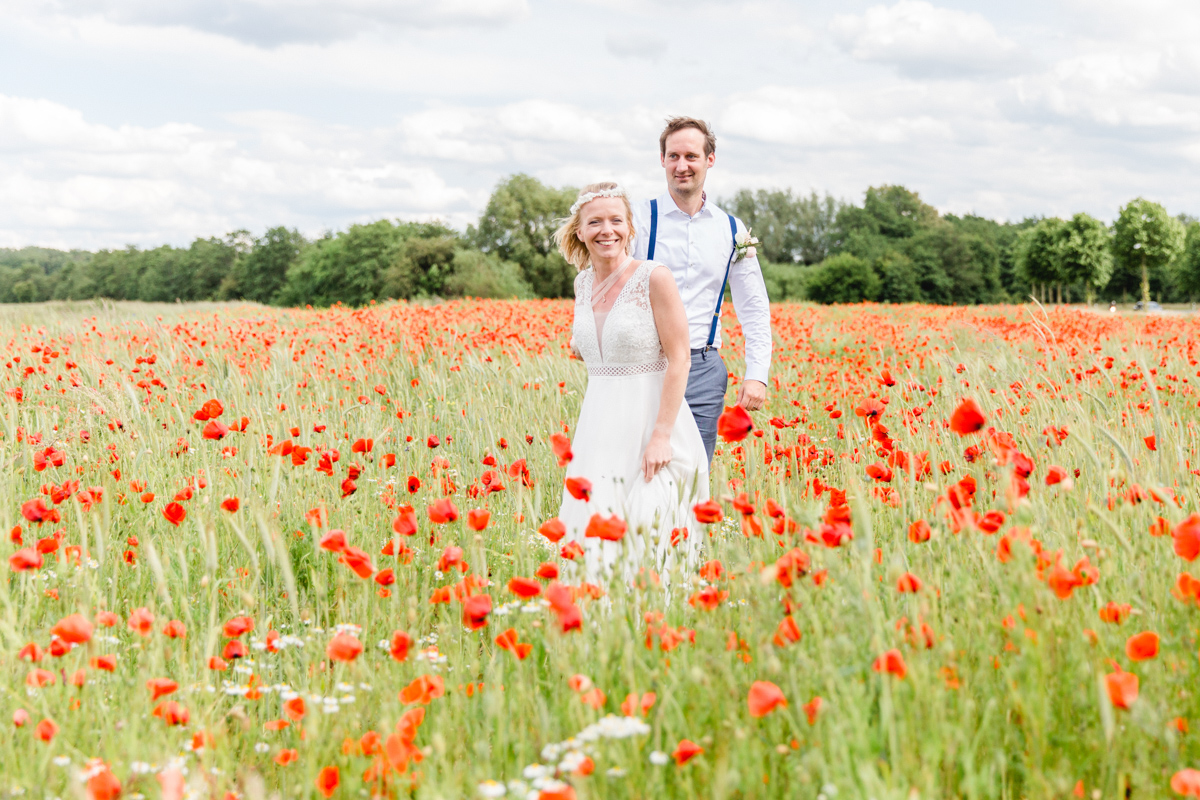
[677, 124]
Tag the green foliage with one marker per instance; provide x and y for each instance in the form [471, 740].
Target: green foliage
[900, 280]
[1039, 252]
[477, 274]
[913, 253]
[351, 267]
[260, 273]
[518, 224]
[1145, 242]
[792, 228]
[783, 281]
[1187, 272]
[1085, 253]
[842, 279]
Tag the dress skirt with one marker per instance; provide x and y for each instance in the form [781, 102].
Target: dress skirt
[615, 424]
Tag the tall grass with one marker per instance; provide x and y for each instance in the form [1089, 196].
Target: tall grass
[1004, 694]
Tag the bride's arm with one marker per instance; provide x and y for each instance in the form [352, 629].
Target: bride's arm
[672, 324]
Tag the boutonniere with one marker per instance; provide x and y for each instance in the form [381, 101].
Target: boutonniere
[745, 244]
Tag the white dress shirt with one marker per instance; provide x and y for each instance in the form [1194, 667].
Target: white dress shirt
[696, 249]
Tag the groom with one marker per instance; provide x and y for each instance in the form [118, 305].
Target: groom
[685, 231]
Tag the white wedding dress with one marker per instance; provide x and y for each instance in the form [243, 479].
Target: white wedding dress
[626, 369]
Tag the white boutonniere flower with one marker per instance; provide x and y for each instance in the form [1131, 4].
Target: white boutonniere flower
[745, 245]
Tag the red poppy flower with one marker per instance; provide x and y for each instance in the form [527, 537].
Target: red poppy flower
[967, 418]
[919, 531]
[1055, 475]
[508, 641]
[764, 697]
[171, 713]
[175, 630]
[524, 588]
[46, 730]
[1142, 646]
[405, 522]
[161, 686]
[443, 511]
[478, 518]
[1186, 782]
[611, 529]
[423, 689]
[73, 629]
[141, 621]
[1122, 688]
[561, 445]
[174, 513]
[295, 708]
[399, 645]
[327, 781]
[334, 541]
[1187, 538]
[553, 529]
[708, 512]
[1151, 443]
[908, 584]
[685, 751]
[812, 708]
[238, 626]
[26, 558]
[891, 662]
[344, 647]
[231, 504]
[476, 610]
[787, 632]
[734, 424]
[579, 488]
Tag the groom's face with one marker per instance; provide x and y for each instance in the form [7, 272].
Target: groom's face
[685, 162]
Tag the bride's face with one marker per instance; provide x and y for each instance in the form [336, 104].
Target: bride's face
[604, 227]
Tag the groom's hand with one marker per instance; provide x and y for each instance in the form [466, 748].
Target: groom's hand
[752, 396]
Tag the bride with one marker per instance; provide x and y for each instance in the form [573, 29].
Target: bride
[637, 451]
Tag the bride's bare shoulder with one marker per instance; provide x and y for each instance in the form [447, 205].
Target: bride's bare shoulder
[661, 279]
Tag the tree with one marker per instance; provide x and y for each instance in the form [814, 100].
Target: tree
[477, 274]
[518, 224]
[1187, 272]
[1085, 254]
[1038, 253]
[260, 273]
[900, 282]
[842, 278]
[791, 228]
[421, 266]
[350, 267]
[1145, 242]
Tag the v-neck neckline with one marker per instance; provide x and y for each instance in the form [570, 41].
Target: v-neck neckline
[616, 301]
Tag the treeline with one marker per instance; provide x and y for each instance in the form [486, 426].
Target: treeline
[892, 248]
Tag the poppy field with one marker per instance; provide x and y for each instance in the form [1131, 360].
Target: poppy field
[256, 553]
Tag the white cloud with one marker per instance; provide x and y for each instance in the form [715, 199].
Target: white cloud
[269, 23]
[636, 44]
[923, 40]
[114, 132]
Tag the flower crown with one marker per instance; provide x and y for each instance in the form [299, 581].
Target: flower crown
[588, 197]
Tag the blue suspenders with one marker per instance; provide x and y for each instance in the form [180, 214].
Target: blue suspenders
[712, 331]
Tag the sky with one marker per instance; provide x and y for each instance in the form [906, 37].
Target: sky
[147, 122]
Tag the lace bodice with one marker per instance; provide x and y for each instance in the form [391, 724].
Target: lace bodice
[630, 335]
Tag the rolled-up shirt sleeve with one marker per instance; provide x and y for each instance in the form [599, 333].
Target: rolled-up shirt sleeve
[753, 312]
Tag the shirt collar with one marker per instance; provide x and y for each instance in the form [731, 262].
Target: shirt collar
[666, 201]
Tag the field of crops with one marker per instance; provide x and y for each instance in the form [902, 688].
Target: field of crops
[262, 553]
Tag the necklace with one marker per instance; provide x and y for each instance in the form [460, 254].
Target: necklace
[600, 292]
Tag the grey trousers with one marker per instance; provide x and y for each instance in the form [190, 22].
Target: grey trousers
[705, 394]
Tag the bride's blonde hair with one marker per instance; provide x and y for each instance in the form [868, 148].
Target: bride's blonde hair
[567, 236]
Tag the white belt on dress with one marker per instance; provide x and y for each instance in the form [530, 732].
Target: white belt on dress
[622, 370]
